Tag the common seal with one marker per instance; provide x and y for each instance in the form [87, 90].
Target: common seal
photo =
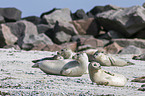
[139, 57]
[66, 67]
[67, 53]
[55, 57]
[108, 60]
[102, 77]
[76, 69]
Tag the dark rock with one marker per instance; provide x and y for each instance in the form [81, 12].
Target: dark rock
[43, 28]
[131, 49]
[140, 43]
[66, 27]
[24, 31]
[139, 34]
[143, 5]
[79, 14]
[113, 48]
[10, 14]
[125, 21]
[87, 26]
[49, 12]
[100, 9]
[62, 15]
[16, 47]
[2, 20]
[110, 35]
[34, 19]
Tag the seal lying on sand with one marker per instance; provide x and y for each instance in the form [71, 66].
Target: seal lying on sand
[108, 60]
[67, 67]
[139, 57]
[67, 53]
[102, 77]
[55, 57]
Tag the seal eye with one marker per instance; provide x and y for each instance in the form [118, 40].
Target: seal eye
[95, 64]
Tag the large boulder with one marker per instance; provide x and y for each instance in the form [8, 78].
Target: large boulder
[23, 30]
[79, 14]
[6, 36]
[10, 14]
[43, 28]
[126, 21]
[2, 20]
[63, 15]
[87, 26]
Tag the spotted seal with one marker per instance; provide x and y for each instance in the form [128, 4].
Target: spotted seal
[66, 67]
[102, 77]
[108, 60]
[67, 53]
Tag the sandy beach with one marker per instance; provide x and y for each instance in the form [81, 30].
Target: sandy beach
[17, 77]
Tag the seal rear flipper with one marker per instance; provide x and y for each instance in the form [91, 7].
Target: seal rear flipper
[36, 65]
[130, 63]
[65, 72]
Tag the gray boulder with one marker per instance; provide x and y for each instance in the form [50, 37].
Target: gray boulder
[34, 19]
[126, 21]
[43, 28]
[79, 14]
[131, 49]
[10, 14]
[2, 20]
[63, 15]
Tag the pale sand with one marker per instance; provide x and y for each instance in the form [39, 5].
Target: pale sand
[17, 77]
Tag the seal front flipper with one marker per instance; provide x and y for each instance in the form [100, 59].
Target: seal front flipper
[65, 72]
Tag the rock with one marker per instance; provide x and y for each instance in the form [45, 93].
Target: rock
[143, 5]
[62, 15]
[113, 48]
[131, 49]
[7, 37]
[2, 20]
[100, 9]
[66, 27]
[140, 43]
[126, 21]
[87, 27]
[10, 14]
[79, 14]
[61, 37]
[43, 28]
[39, 42]
[23, 30]
[139, 57]
[110, 35]
[34, 19]
[16, 47]
[95, 43]
[139, 34]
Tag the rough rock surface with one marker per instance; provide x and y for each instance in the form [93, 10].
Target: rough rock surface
[17, 77]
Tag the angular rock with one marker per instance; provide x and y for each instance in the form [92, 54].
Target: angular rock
[34, 19]
[110, 35]
[10, 14]
[126, 21]
[79, 14]
[66, 27]
[43, 28]
[23, 30]
[7, 37]
[2, 20]
[140, 34]
[100, 9]
[87, 27]
[61, 37]
[113, 48]
[62, 15]
[131, 50]
[140, 43]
